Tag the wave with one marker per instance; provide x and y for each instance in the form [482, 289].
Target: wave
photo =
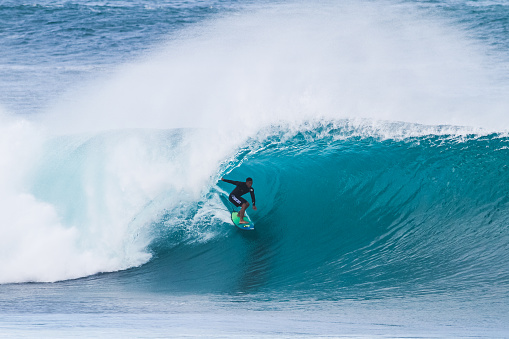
[339, 213]
[343, 207]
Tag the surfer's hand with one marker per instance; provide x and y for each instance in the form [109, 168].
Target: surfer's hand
[254, 207]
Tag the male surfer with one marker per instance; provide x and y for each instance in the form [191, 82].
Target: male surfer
[236, 196]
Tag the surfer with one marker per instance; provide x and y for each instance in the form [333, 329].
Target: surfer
[236, 196]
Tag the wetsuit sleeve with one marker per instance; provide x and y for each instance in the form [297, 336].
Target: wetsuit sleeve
[252, 196]
[236, 183]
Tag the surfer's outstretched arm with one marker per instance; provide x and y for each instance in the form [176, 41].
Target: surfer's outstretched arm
[236, 183]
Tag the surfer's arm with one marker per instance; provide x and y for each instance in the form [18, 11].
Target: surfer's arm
[236, 183]
[253, 198]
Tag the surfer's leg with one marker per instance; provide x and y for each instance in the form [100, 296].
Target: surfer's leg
[238, 202]
[242, 212]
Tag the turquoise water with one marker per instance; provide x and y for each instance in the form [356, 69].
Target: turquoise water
[375, 132]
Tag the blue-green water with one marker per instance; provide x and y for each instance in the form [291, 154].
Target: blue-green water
[375, 132]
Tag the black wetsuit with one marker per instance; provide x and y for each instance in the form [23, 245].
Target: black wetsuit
[241, 189]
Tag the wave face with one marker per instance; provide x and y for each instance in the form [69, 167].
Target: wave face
[345, 211]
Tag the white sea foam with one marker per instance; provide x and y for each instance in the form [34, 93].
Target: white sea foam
[77, 205]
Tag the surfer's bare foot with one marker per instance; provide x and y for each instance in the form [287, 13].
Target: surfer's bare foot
[243, 222]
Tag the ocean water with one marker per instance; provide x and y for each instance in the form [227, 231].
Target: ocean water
[376, 133]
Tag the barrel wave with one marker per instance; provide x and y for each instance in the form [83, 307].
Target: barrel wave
[347, 212]
[346, 209]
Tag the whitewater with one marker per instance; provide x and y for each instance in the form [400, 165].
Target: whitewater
[376, 133]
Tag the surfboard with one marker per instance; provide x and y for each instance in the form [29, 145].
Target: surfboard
[236, 221]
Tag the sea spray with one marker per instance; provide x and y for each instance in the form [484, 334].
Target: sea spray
[295, 62]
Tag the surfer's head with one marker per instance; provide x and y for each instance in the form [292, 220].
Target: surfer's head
[249, 182]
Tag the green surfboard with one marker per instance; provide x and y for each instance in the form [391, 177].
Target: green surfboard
[236, 221]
